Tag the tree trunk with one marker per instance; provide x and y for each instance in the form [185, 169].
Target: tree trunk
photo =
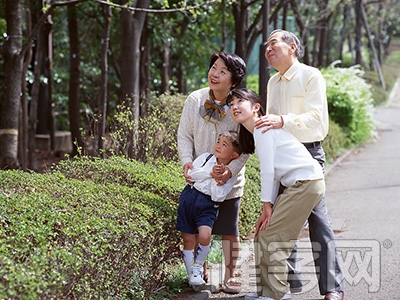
[144, 71]
[343, 32]
[303, 30]
[165, 67]
[246, 34]
[323, 32]
[241, 15]
[10, 103]
[23, 124]
[103, 87]
[33, 107]
[74, 75]
[372, 47]
[131, 31]
[358, 28]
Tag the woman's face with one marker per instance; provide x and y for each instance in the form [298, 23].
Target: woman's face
[219, 78]
[242, 110]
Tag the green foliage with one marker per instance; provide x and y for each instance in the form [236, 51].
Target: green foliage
[335, 142]
[92, 229]
[252, 83]
[390, 71]
[350, 103]
[250, 205]
[157, 130]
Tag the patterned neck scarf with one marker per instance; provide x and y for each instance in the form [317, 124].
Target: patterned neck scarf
[213, 112]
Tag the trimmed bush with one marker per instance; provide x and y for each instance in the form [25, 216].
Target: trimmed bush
[68, 236]
[250, 205]
[335, 142]
[350, 103]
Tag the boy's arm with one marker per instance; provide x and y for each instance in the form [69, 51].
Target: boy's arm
[200, 172]
[219, 192]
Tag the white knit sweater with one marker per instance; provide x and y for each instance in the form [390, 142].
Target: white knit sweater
[197, 136]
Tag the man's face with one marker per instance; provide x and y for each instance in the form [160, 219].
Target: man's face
[277, 52]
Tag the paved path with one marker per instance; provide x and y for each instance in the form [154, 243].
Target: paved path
[363, 197]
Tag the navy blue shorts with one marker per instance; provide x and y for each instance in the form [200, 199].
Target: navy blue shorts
[195, 209]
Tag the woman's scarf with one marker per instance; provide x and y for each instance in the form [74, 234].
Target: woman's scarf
[213, 112]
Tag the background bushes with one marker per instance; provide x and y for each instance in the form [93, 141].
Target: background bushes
[350, 103]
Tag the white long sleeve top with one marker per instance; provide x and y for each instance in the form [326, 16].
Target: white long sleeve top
[197, 136]
[203, 182]
[283, 159]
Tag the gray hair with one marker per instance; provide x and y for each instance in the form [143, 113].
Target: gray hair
[289, 37]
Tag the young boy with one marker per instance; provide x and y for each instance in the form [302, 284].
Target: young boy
[199, 203]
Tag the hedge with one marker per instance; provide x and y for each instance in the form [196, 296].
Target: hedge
[90, 229]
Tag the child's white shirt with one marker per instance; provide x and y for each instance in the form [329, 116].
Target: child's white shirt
[203, 182]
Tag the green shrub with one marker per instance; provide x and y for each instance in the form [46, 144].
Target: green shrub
[350, 103]
[156, 132]
[250, 206]
[335, 142]
[66, 235]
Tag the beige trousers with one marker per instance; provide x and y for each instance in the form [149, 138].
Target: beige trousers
[274, 244]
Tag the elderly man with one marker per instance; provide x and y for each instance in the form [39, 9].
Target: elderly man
[296, 101]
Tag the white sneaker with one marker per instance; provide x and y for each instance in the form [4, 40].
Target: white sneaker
[196, 278]
[255, 296]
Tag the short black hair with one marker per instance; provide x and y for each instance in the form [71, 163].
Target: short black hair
[234, 63]
[233, 136]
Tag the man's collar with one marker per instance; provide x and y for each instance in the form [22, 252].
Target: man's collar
[288, 75]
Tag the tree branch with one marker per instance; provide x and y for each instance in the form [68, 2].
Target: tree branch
[42, 19]
[182, 9]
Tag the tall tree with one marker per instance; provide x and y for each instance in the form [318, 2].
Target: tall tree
[358, 33]
[10, 103]
[247, 30]
[104, 70]
[23, 120]
[131, 31]
[320, 33]
[74, 79]
[33, 109]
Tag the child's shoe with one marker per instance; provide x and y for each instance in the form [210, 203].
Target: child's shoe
[196, 278]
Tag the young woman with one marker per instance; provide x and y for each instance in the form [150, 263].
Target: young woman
[205, 115]
[283, 160]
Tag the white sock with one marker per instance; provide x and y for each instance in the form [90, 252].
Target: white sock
[201, 254]
[188, 258]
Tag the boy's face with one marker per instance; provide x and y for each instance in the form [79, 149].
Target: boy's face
[223, 149]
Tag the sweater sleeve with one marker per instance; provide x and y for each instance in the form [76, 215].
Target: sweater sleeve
[236, 165]
[185, 131]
